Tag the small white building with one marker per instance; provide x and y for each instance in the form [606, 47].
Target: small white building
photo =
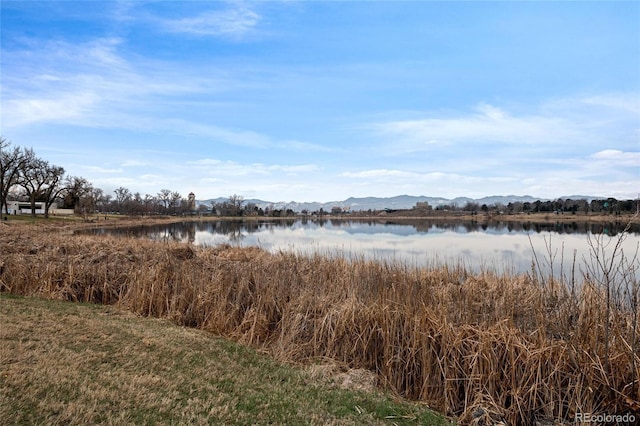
[24, 207]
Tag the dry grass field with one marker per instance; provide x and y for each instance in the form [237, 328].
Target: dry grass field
[481, 347]
[73, 363]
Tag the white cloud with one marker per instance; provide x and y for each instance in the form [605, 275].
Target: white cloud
[103, 51]
[550, 186]
[224, 169]
[570, 124]
[580, 145]
[152, 178]
[303, 168]
[491, 112]
[88, 84]
[234, 23]
[205, 162]
[133, 163]
[305, 147]
[488, 124]
[380, 173]
[391, 177]
[58, 109]
[615, 101]
[614, 157]
[93, 85]
[100, 170]
[218, 134]
[117, 182]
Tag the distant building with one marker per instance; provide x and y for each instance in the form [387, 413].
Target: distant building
[423, 206]
[192, 201]
[24, 207]
[340, 210]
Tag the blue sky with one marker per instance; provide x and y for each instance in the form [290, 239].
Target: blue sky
[319, 101]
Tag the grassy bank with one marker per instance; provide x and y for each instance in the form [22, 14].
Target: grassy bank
[477, 347]
[65, 363]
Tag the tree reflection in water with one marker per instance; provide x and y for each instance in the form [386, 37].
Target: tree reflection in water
[501, 244]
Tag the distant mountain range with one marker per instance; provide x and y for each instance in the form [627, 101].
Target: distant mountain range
[396, 203]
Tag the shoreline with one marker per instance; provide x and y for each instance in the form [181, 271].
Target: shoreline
[76, 222]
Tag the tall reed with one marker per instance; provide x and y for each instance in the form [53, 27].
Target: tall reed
[481, 347]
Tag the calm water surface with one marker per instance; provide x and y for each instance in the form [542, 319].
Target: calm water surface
[502, 247]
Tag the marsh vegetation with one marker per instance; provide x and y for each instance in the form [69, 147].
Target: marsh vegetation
[477, 346]
[498, 245]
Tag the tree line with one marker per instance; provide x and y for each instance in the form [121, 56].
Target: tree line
[28, 178]
[559, 206]
[235, 206]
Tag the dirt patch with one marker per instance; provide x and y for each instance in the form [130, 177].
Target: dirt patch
[340, 376]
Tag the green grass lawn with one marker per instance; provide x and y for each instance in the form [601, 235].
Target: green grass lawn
[71, 363]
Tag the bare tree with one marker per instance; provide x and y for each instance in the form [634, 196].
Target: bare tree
[123, 196]
[251, 209]
[230, 207]
[54, 187]
[107, 199]
[33, 180]
[165, 196]
[176, 200]
[202, 209]
[78, 189]
[12, 163]
[137, 205]
[236, 200]
[97, 198]
[150, 203]
[40, 180]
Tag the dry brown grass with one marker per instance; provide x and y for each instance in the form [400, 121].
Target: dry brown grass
[476, 347]
[82, 364]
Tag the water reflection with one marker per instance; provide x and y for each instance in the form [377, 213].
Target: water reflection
[504, 246]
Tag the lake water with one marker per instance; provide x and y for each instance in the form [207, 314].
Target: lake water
[502, 247]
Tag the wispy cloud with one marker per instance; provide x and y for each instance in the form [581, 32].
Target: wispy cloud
[306, 147]
[224, 169]
[133, 163]
[574, 145]
[383, 174]
[293, 170]
[233, 22]
[81, 84]
[215, 133]
[487, 124]
[403, 177]
[61, 109]
[615, 101]
[101, 170]
[94, 85]
[236, 137]
[617, 158]
[579, 122]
